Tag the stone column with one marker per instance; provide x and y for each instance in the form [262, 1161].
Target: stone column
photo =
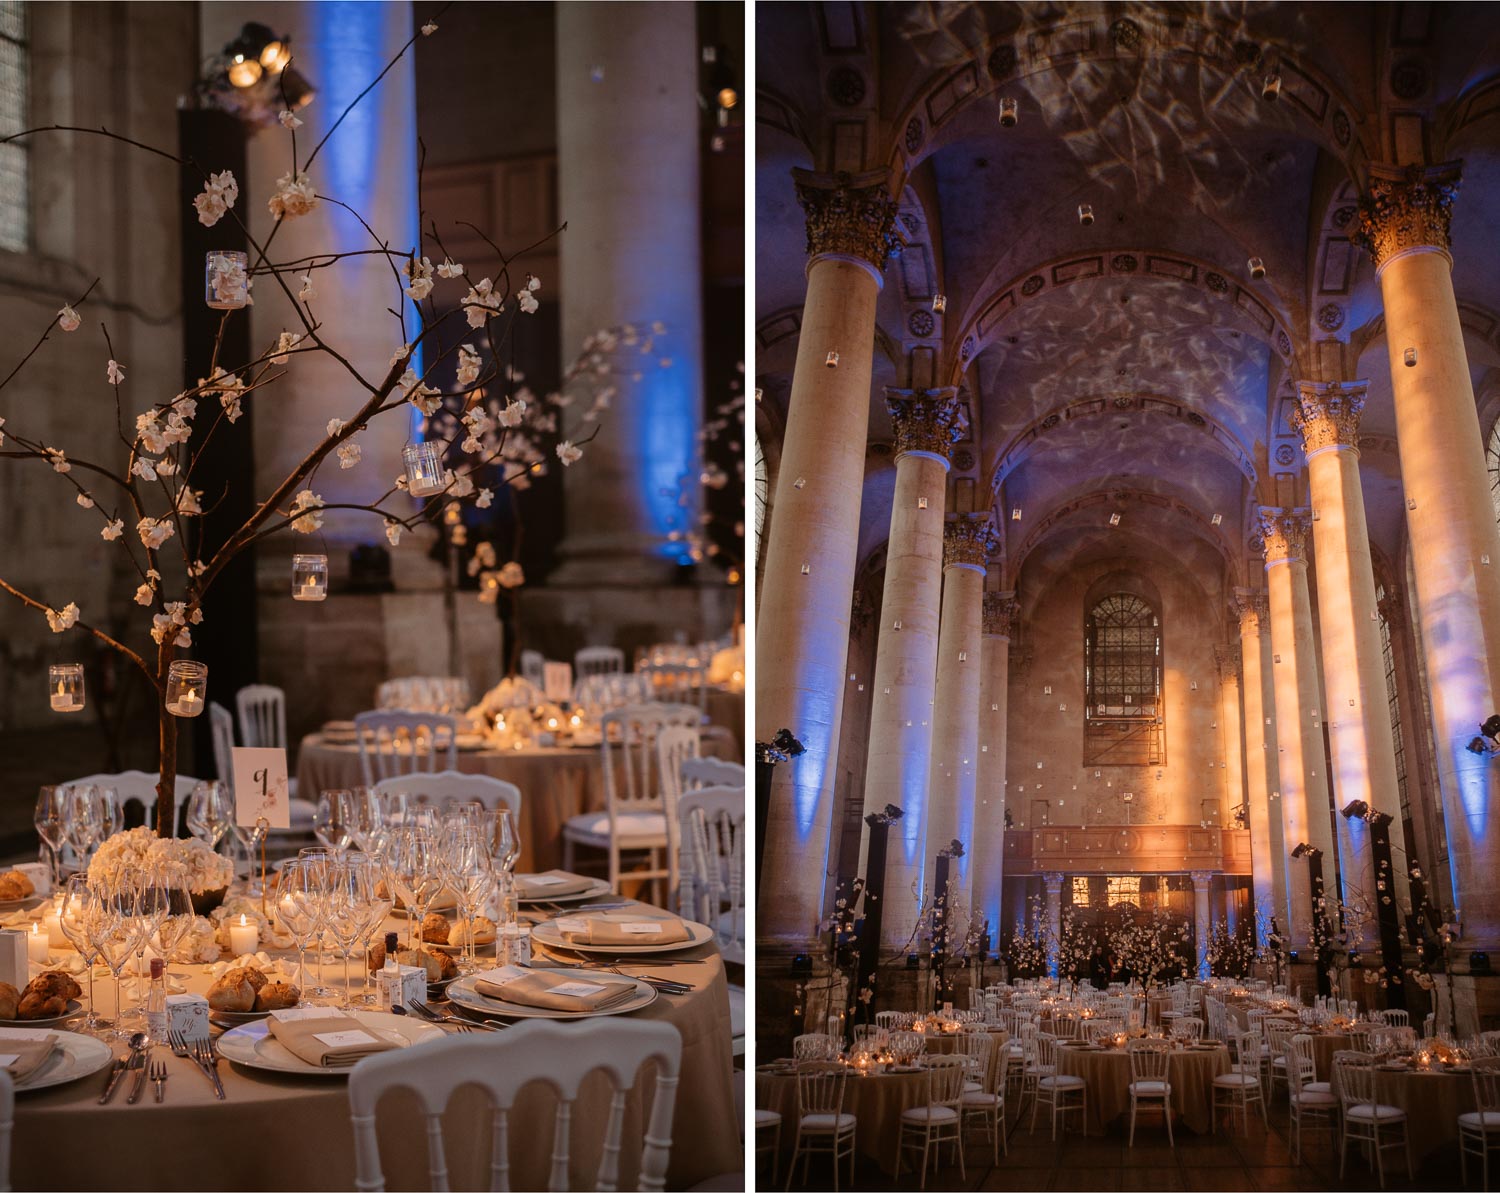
[1268, 853]
[897, 766]
[802, 627]
[1299, 728]
[1202, 926]
[1053, 883]
[1364, 750]
[1228, 658]
[1404, 225]
[988, 852]
[627, 82]
[954, 768]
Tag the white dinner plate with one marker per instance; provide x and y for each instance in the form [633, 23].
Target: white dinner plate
[236, 1018]
[76, 1056]
[253, 1046]
[601, 887]
[75, 1009]
[548, 935]
[462, 993]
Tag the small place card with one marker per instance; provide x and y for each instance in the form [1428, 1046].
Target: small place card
[543, 879]
[24, 1033]
[502, 974]
[571, 923]
[576, 989]
[344, 1039]
[642, 928]
[288, 1014]
[260, 787]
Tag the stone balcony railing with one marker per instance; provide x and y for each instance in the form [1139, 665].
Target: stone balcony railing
[1126, 849]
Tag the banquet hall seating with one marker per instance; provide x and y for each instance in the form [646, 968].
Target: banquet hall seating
[395, 741]
[939, 1120]
[533, 667]
[1187, 1028]
[1238, 1088]
[711, 866]
[978, 1103]
[768, 1138]
[1057, 1091]
[438, 787]
[1397, 1018]
[890, 1020]
[262, 712]
[1310, 1102]
[137, 786]
[1279, 1033]
[822, 1125]
[711, 772]
[562, 1056]
[1479, 1129]
[1366, 1119]
[678, 683]
[598, 660]
[1150, 1061]
[635, 814]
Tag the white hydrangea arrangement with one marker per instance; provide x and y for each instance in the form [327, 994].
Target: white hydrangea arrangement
[141, 850]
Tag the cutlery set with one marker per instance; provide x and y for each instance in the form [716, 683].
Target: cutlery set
[145, 1069]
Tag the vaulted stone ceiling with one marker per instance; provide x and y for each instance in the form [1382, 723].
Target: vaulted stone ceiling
[1133, 359]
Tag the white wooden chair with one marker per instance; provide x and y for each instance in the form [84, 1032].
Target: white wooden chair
[1366, 1120]
[1238, 1088]
[1479, 1129]
[140, 787]
[634, 817]
[262, 712]
[978, 1102]
[7, 1119]
[675, 744]
[711, 772]
[558, 1055]
[768, 1123]
[678, 683]
[301, 811]
[1310, 1102]
[1395, 1018]
[940, 1120]
[598, 660]
[533, 665]
[1150, 1080]
[1057, 1091]
[394, 742]
[1187, 1027]
[437, 787]
[711, 866]
[822, 1125]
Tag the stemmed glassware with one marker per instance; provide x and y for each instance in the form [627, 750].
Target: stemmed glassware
[81, 821]
[300, 911]
[377, 907]
[151, 900]
[470, 874]
[367, 823]
[177, 919]
[332, 819]
[116, 932]
[210, 813]
[505, 850]
[414, 865]
[111, 813]
[351, 888]
[51, 824]
[81, 918]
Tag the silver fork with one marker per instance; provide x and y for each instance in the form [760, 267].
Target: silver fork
[180, 1048]
[158, 1075]
[422, 1010]
[207, 1056]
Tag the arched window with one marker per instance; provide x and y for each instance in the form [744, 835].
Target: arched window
[1122, 676]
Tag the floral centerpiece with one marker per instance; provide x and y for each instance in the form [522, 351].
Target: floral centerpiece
[140, 850]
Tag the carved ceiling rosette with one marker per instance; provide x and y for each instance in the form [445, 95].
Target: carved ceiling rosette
[1001, 613]
[1285, 532]
[1327, 415]
[968, 540]
[1254, 611]
[926, 420]
[852, 215]
[1406, 209]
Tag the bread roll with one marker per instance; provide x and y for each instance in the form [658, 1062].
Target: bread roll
[10, 1000]
[14, 885]
[232, 992]
[51, 984]
[439, 966]
[479, 930]
[39, 1005]
[273, 996]
[435, 928]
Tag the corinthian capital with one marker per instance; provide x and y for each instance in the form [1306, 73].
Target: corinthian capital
[1228, 659]
[926, 420]
[1404, 209]
[852, 215]
[1001, 611]
[1254, 611]
[1327, 415]
[1285, 533]
[967, 540]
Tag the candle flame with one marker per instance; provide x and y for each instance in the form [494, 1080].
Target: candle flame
[242, 919]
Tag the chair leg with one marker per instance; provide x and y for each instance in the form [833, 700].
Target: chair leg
[791, 1169]
[1132, 1120]
[926, 1143]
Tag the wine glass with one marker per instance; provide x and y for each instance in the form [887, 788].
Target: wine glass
[78, 917]
[469, 872]
[366, 818]
[50, 820]
[176, 922]
[111, 813]
[209, 813]
[300, 910]
[115, 934]
[414, 863]
[333, 818]
[150, 902]
[378, 905]
[81, 820]
[351, 888]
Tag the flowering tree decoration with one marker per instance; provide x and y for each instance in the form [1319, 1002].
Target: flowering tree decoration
[146, 505]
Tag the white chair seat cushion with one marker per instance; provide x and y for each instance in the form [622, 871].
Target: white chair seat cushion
[632, 825]
[1481, 1120]
[1368, 1113]
[766, 1118]
[1314, 1098]
[827, 1122]
[1065, 1082]
[1318, 1087]
[1278, 1062]
[977, 1097]
[1236, 1081]
[970, 1086]
[929, 1114]
[1150, 1089]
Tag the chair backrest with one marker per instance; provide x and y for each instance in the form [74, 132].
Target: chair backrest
[820, 1087]
[598, 660]
[711, 772]
[533, 667]
[558, 1055]
[890, 1020]
[1485, 1072]
[1301, 1064]
[1354, 1078]
[1397, 1018]
[683, 683]
[1278, 1032]
[222, 724]
[945, 1079]
[439, 786]
[1149, 1059]
[262, 713]
[1046, 1049]
[140, 787]
[1187, 1028]
[629, 762]
[675, 743]
[711, 868]
[394, 742]
[1429, 1025]
[1359, 1036]
[978, 1048]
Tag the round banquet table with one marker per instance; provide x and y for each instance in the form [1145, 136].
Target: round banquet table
[942, 1043]
[726, 707]
[1433, 1100]
[278, 1131]
[876, 1101]
[556, 782]
[1107, 1073]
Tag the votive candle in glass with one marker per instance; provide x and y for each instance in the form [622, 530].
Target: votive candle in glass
[424, 469]
[65, 687]
[309, 577]
[187, 688]
[226, 285]
[244, 937]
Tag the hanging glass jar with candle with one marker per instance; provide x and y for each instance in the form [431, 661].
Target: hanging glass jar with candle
[226, 284]
[309, 577]
[65, 687]
[187, 688]
[424, 469]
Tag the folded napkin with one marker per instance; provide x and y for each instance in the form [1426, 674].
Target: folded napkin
[622, 929]
[23, 1057]
[552, 992]
[328, 1041]
[551, 884]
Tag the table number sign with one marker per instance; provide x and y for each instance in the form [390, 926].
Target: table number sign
[557, 681]
[260, 787]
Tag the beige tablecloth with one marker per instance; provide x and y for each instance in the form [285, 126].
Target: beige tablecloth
[726, 707]
[948, 1044]
[288, 1132]
[1108, 1075]
[555, 782]
[1433, 1101]
[875, 1101]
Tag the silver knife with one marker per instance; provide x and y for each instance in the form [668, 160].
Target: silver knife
[114, 1079]
[140, 1075]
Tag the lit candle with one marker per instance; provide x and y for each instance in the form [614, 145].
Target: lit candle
[62, 700]
[52, 922]
[244, 937]
[311, 591]
[575, 720]
[551, 722]
[36, 945]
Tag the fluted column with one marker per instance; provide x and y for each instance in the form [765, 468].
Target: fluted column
[988, 853]
[1228, 659]
[953, 773]
[802, 627]
[1404, 223]
[1364, 750]
[1053, 883]
[1299, 728]
[1202, 926]
[1268, 853]
[897, 766]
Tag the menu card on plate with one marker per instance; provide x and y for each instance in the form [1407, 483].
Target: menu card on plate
[260, 787]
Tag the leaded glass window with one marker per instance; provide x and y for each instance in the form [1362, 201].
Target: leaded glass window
[1122, 664]
[15, 157]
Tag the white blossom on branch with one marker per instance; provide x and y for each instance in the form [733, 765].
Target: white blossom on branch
[68, 319]
[294, 196]
[62, 619]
